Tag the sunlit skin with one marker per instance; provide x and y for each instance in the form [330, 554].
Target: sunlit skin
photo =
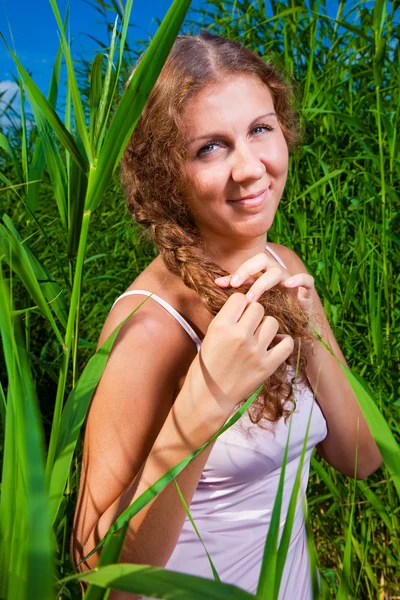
[248, 155]
[242, 151]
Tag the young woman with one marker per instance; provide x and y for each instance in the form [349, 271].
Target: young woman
[204, 173]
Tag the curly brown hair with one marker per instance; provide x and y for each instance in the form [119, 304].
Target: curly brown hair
[157, 187]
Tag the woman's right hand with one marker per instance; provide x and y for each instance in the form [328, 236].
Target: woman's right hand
[236, 355]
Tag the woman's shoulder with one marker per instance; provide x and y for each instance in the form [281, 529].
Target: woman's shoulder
[293, 262]
[152, 319]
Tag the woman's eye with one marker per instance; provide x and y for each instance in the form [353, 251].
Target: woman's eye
[267, 127]
[204, 149]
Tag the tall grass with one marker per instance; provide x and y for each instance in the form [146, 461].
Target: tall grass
[65, 242]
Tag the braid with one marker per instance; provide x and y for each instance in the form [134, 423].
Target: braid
[157, 190]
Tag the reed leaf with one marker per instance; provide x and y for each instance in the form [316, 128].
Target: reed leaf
[36, 97]
[344, 586]
[77, 188]
[5, 144]
[288, 527]
[149, 494]
[266, 582]
[160, 583]
[133, 100]
[17, 258]
[78, 108]
[37, 165]
[107, 98]
[30, 565]
[377, 424]
[52, 291]
[189, 516]
[73, 417]
[95, 94]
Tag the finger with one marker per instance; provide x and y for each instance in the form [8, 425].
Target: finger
[251, 318]
[256, 263]
[267, 330]
[225, 282]
[280, 352]
[301, 279]
[233, 308]
[265, 282]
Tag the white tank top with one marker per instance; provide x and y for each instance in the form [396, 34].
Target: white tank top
[233, 501]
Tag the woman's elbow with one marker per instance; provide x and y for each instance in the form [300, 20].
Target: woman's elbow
[365, 470]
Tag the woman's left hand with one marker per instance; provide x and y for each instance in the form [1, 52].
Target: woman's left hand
[263, 271]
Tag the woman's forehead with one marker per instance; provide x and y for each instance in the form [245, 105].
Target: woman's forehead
[233, 98]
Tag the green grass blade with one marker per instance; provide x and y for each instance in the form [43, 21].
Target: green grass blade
[77, 188]
[52, 291]
[3, 407]
[380, 430]
[287, 530]
[160, 583]
[18, 260]
[73, 417]
[5, 144]
[24, 143]
[345, 578]
[318, 591]
[107, 98]
[109, 555]
[376, 503]
[37, 166]
[377, 424]
[266, 582]
[36, 548]
[320, 182]
[267, 579]
[324, 476]
[10, 186]
[163, 481]
[133, 101]
[78, 108]
[36, 96]
[8, 490]
[36, 171]
[95, 94]
[55, 165]
[187, 511]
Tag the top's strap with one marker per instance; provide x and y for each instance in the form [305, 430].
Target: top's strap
[175, 313]
[274, 254]
[170, 309]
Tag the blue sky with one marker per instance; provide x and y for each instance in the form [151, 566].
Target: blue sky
[35, 34]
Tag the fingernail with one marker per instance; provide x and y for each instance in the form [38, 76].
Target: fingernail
[290, 281]
[250, 296]
[235, 279]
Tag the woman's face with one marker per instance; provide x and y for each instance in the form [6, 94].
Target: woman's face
[236, 148]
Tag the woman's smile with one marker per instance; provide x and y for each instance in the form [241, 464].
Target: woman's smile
[252, 201]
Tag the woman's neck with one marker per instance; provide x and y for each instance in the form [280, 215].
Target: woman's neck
[230, 254]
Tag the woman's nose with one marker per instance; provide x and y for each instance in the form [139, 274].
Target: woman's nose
[247, 164]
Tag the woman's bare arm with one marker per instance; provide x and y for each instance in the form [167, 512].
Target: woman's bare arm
[137, 430]
[347, 427]
[130, 407]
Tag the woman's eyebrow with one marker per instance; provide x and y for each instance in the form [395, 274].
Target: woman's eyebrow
[220, 135]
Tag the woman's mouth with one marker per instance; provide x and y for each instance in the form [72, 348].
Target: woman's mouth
[252, 202]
